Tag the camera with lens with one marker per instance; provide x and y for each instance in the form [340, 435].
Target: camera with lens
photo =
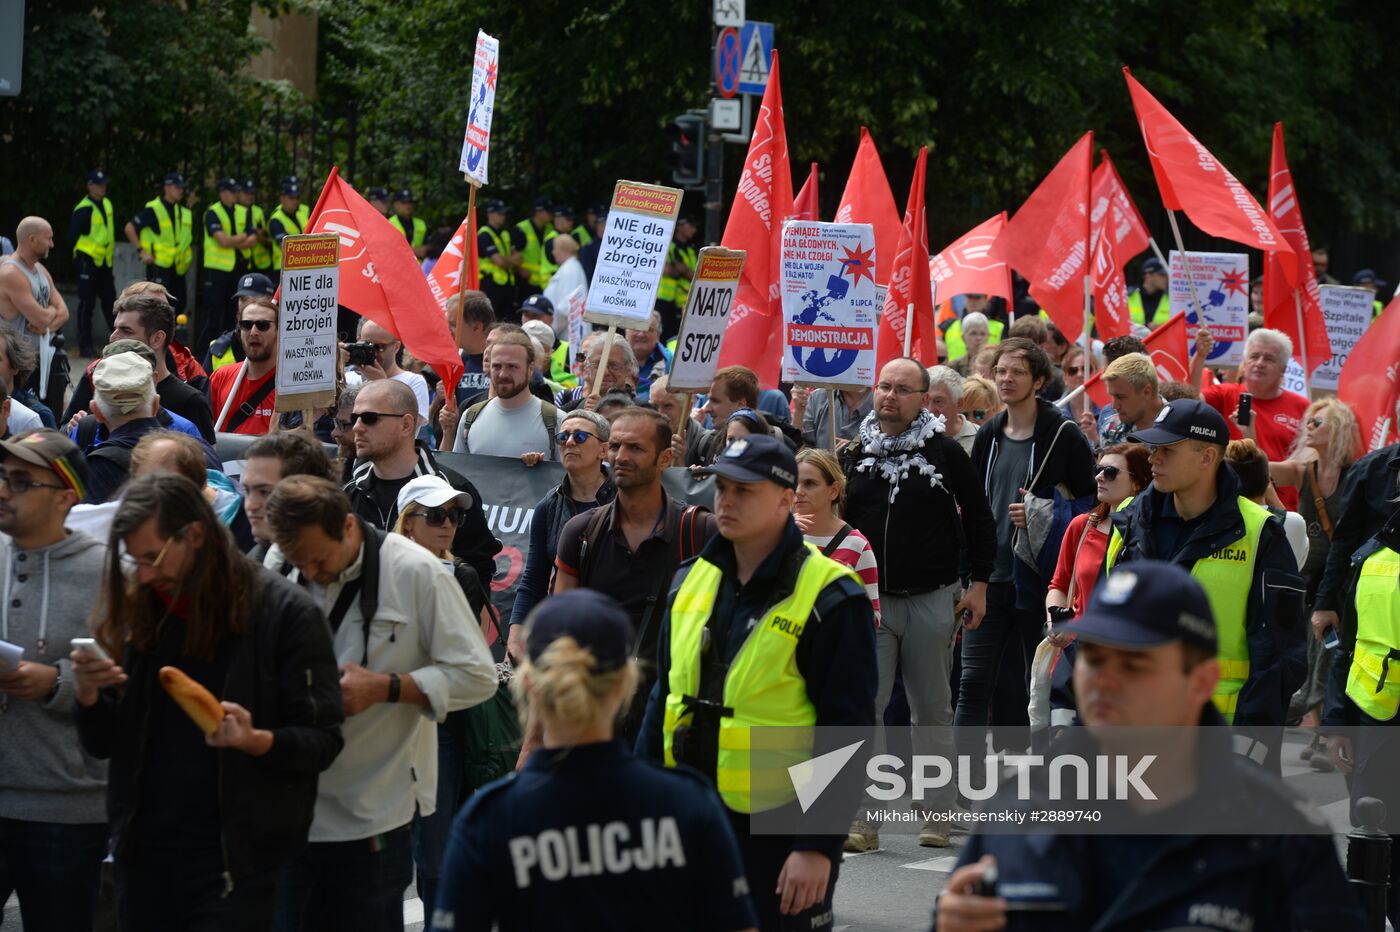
[1059, 614]
[362, 354]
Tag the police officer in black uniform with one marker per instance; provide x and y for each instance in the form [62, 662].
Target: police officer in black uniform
[1147, 658]
[92, 234]
[586, 836]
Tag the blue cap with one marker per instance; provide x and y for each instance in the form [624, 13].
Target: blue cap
[495, 206]
[255, 285]
[594, 620]
[1153, 265]
[97, 176]
[1368, 277]
[228, 184]
[542, 203]
[248, 186]
[1145, 604]
[1185, 419]
[537, 304]
[177, 179]
[291, 186]
[756, 458]
[403, 194]
[377, 193]
[564, 211]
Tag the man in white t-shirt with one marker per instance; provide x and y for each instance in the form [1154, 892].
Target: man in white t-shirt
[513, 422]
[387, 347]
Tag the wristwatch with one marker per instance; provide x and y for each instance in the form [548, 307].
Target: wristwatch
[394, 686]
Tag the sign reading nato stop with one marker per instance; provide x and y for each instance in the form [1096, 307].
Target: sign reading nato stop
[829, 304]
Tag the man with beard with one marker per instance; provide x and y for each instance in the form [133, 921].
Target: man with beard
[244, 396]
[513, 422]
[29, 302]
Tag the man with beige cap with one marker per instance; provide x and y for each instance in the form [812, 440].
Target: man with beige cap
[124, 401]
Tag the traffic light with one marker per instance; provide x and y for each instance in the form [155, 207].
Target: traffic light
[687, 159]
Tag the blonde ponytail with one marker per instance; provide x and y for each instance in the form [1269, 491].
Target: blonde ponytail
[564, 688]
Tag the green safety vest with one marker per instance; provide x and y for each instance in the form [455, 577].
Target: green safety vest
[1371, 684]
[420, 230]
[498, 274]
[1376, 308]
[561, 369]
[1227, 576]
[258, 256]
[582, 235]
[952, 337]
[174, 246]
[99, 241]
[294, 226]
[222, 258]
[534, 260]
[762, 684]
[674, 288]
[1139, 313]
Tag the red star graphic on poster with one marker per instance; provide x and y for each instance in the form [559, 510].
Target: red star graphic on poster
[491, 75]
[859, 264]
[1235, 281]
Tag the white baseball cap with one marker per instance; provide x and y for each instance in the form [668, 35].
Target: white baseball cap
[431, 492]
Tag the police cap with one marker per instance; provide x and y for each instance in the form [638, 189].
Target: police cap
[1185, 419]
[593, 619]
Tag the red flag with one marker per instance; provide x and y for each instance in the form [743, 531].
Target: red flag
[1130, 235]
[1370, 380]
[1111, 315]
[1193, 180]
[754, 335]
[807, 206]
[868, 199]
[973, 264]
[445, 279]
[1168, 349]
[1281, 303]
[910, 283]
[380, 277]
[1048, 239]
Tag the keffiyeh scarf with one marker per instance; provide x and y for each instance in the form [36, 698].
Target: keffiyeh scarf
[894, 456]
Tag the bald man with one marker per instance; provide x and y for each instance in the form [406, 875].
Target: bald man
[387, 347]
[29, 302]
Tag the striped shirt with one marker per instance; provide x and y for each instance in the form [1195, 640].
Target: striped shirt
[855, 552]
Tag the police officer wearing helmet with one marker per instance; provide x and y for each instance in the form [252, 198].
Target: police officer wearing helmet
[163, 236]
[1193, 515]
[762, 629]
[587, 836]
[1225, 845]
[93, 235]
[413, 229]
[289, 219]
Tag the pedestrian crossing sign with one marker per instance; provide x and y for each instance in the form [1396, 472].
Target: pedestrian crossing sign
[756, 42]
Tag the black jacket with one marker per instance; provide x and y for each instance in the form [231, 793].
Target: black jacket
[283, 672]
[921, 535]
[1367, 490]
[1071, 461]
[1274, 617]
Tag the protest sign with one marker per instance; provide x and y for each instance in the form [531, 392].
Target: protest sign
[306, 341]
[1221, 281]
[633, 255]
[829, 304]
[578, 327]
[1347, 312]
[476, 143]
[705, 318]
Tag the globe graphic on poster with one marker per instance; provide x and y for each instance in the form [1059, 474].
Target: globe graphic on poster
[819, 360]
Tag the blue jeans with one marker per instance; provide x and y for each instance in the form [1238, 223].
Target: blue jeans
[430, 833]
[347, 886]
[55, 870]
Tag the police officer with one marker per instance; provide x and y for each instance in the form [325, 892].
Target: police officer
[378, 198]
[258, 257]
[681, 259]
[163, 235]
[227, 347]
[224, 237]
[1193, 516]
[528, 238]
[92, 232]
[807, 633]
[413, 229]
[289, 219]
[499, 262]
[1149, 305]
[588, 836]
[1147, 649]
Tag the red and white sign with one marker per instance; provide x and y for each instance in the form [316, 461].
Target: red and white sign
[829, 310]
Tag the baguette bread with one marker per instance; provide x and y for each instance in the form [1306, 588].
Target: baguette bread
[196, 701]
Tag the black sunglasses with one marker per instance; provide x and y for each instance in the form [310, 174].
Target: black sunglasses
[263, 326]
[1074, 370]
[1315, 422]
[437, 517]
[579, 437]
[369, 417]
[1109, 472]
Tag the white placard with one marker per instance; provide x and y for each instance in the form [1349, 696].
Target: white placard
[1293, 380]
[706, 316]
[476, 142]
[633, 255]
[729, 12]
[578, 327]
[306, 340]
[1222, 285]
[829, 304]
[1348, 314]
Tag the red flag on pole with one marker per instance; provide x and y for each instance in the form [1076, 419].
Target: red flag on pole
[1048, 239]
[868, 199]
[380, 277]
[445, 279]
[972, 264]
[1287, 306]
[807, 206]
[1370, 380]
[910, 283]
[1111, 315]
[1168, 348]
[1193, 180]
[1130, 236]
[754, 335]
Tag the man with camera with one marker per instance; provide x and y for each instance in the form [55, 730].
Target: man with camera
[376, 356]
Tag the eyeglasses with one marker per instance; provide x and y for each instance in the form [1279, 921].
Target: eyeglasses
[1315, 422]
[437, 517]
[262, 326]
[1074, 370]
[20, 486]
[579, 437]
[1108, 472]
[903, 391]
[370, 417]
[152, 563]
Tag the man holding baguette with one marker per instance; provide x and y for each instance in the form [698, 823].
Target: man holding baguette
[207, 799]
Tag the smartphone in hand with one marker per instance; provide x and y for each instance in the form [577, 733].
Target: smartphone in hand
[1246, 410]
[90, 647]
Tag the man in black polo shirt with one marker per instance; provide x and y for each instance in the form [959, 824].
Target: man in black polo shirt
[631, 548]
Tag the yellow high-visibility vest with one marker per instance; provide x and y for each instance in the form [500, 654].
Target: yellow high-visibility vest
[99, 242]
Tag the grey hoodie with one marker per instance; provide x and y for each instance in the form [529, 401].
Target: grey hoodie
[48, 596]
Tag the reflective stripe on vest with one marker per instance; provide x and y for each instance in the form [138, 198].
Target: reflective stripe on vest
[532, 258]
[762, 685]
[294, 226]
[99, 242]
[173, 247]
[1227, 575]
[217, 257]
[420, 230]
[259, 256]
[498, 274]
[1373, 682]
[953, 338]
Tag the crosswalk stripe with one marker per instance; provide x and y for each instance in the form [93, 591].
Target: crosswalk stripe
[943, 865]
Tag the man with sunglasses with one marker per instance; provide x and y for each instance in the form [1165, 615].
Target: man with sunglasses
[1194, 516]
[243, 397]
